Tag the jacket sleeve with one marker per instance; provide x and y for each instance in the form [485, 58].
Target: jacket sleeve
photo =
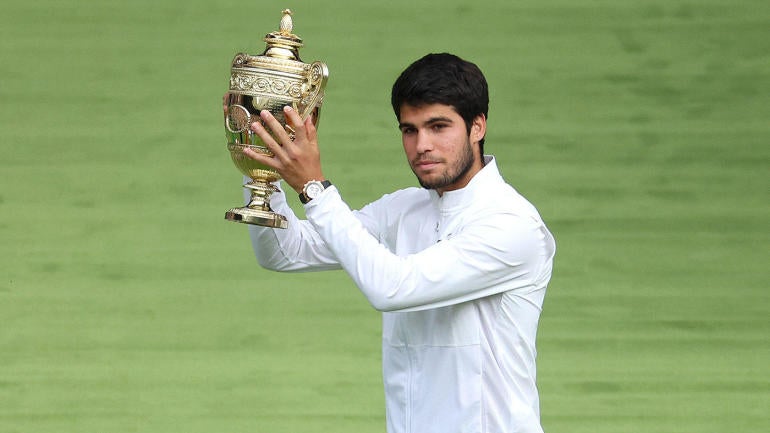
[498, 252]
[298, 248]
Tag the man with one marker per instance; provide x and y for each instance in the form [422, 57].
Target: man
[459, 267]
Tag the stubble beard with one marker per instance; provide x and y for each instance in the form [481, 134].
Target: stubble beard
[453, 173]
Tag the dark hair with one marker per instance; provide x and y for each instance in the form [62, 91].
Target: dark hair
[443, 79]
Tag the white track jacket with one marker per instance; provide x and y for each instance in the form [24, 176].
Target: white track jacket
[460, 280]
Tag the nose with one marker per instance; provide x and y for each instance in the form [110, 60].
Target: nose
[423, 142]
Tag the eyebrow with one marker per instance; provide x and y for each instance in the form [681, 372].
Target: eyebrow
[430, 121]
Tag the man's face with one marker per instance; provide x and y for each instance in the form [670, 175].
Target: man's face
[440, 150]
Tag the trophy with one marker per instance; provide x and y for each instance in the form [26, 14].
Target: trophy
[269, 81]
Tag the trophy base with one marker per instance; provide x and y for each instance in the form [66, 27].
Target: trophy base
[257, 217]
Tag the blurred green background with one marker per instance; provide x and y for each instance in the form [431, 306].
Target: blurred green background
[128, 304]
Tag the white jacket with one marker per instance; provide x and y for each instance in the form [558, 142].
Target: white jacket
[460, 280]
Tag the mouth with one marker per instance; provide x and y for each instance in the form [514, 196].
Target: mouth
[426, 164]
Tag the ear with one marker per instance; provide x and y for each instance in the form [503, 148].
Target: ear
[478, 128]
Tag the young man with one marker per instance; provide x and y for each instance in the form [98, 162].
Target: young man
[459, 267]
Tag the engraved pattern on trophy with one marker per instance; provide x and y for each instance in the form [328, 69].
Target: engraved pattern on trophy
[238, 118]
[269, 81]
[267, 86]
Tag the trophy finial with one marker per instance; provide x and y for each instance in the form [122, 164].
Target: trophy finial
[286, 23]
[284, 44]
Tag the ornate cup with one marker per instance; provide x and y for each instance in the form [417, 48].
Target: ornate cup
[270, 81]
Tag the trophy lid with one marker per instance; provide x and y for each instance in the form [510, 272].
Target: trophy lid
[283, 44]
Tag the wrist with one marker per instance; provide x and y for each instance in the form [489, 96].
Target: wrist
[312, 189]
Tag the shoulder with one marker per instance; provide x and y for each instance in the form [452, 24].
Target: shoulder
[508, 216]
[501, 197]
[401, 199]
[390, 207]
[410, 193]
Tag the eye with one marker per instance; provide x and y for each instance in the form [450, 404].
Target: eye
[438, 126]
[406, 130]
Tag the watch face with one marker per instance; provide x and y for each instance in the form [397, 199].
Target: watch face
[313, 189]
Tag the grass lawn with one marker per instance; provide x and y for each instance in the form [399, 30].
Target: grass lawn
[128, 304]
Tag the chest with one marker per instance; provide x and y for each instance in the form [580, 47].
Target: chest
[415, 231]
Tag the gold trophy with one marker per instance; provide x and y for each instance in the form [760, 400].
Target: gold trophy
[270, 81]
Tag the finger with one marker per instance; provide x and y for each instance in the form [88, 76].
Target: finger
[262, 158]
[294, 120]
[268, 140]
[310, 128]
[276, 127]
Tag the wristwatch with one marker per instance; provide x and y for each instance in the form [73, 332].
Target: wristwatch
[312, 189]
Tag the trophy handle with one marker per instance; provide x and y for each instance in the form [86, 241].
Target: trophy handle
[316, 81]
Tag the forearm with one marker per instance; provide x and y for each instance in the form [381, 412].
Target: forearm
[297, 248]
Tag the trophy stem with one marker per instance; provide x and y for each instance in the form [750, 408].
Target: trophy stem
[258, 211]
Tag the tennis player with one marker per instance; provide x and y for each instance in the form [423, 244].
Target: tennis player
[458, 266]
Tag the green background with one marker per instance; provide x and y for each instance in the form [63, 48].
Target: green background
[127, 304]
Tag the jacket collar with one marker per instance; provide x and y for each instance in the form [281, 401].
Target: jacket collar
[464, 197]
